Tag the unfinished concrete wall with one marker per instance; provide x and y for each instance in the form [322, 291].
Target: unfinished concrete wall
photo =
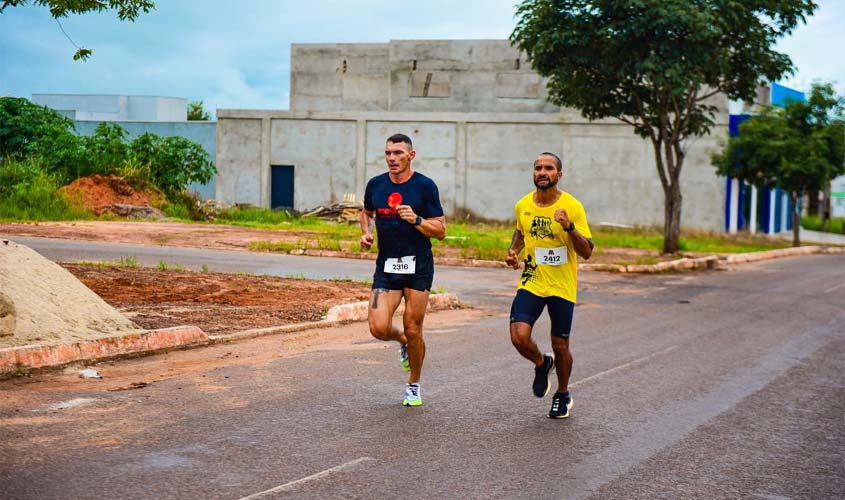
[323, 154]
[486, 76]
[481, 161]
[241, 171]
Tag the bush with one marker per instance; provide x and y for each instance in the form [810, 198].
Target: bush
[27, 130]
[28, 192]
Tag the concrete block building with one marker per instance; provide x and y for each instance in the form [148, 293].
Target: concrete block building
[478, 116]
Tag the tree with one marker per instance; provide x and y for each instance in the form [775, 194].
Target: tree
[798, 148]
[127, 10]
[655, 64]
[196, 112]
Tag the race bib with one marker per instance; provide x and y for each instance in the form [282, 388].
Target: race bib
[550, 256]
[401, 265]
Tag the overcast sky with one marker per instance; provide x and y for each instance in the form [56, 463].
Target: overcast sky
[237, 54]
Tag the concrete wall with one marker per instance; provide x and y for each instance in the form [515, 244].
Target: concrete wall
[487, 76]
[203, 133]
[481, 161]
[116, 107]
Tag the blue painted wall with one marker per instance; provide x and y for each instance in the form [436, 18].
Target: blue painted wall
[781, 95]
[203, 133]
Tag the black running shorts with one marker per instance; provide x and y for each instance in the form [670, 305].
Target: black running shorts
[421, 280]
[527, 307]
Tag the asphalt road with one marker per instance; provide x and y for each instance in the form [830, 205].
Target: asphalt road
[722, 384]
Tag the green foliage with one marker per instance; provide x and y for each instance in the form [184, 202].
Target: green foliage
[28, 192]
[196, 112]
[27, 129]
[107, 149]
[174, 162]
[654, 64]
[798, 148]
[127, 10]
[814, 223]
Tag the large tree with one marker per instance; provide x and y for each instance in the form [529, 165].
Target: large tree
[127, 10]
[656, 64]
[798, 148]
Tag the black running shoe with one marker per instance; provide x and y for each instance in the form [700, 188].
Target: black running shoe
[561, 403]
[541, 384]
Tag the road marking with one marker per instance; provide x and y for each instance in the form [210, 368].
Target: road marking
[622, 367]
[837, 287]
[289, 486]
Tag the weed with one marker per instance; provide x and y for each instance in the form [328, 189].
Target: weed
[162, 265]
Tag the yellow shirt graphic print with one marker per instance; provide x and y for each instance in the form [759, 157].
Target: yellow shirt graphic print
[550, 262]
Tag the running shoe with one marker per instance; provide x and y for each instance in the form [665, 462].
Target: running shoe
[541, 384]
[412, 395]
[403, 358]
[561, 403]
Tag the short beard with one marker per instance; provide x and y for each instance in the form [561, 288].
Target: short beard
[545, 188]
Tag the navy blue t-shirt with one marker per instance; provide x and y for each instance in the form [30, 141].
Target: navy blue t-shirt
[397, 238]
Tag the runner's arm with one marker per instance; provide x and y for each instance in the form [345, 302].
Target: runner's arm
[434, 227]
[368, 221]
[517, 244]
[583, 246]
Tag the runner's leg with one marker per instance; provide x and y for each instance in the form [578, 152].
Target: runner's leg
[563, 362]
[383, 304]
[416, 303]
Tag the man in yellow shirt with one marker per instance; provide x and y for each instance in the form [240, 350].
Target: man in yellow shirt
[552, 230]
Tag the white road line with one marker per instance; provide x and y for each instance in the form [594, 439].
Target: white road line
[289, 486]
[622, 367]
[837, 287]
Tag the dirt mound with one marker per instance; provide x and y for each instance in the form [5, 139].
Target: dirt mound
[45, 304]
[110, 193]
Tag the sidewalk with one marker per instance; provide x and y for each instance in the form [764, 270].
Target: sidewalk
[817, 237]
[18, 361]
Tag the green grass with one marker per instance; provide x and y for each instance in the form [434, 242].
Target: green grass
[690, 241]
[128, 261]
[476, 241]
[814, 223]
[29, 194]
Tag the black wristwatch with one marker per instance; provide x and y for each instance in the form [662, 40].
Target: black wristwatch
[570, 228]
[418, 221]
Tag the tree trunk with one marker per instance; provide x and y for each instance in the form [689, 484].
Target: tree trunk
[672, 218]
[796, 220]
[826, 208]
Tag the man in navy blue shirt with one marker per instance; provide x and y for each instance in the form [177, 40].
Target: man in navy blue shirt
[404, 206]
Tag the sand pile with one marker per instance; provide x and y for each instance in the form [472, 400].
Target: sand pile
[41, 303]
[112, 194]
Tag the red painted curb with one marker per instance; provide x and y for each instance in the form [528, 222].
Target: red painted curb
[17, 360]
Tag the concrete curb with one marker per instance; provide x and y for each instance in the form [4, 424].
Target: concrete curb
[21, 360]
[782, 252]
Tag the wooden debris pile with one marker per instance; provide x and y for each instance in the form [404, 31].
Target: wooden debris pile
[349, 210]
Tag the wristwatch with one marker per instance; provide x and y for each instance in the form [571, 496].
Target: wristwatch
[570, 228]
[418, 221]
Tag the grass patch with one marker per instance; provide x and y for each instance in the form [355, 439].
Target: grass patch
[690, 241]
[814, 223]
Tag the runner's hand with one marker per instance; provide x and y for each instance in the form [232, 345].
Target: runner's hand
[366, 241]
[513, 259]
[562, 217]
[407, 213]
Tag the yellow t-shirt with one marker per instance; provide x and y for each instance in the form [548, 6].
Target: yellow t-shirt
[551, 264]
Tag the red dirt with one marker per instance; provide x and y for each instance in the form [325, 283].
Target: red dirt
[98, 192]
[216, 302]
